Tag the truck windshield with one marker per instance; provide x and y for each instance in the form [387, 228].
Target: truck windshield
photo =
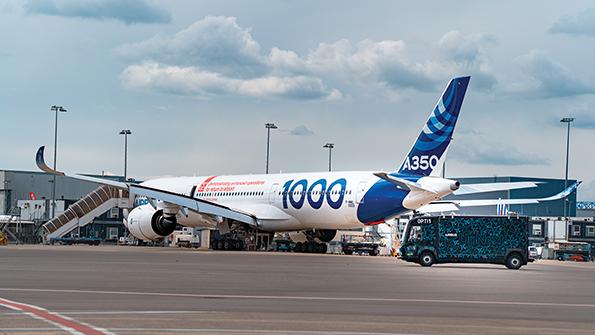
[413, 233]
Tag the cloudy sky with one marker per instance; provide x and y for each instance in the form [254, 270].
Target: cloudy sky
[196, 81]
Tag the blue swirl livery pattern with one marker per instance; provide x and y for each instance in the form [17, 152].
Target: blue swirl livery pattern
[436, 135]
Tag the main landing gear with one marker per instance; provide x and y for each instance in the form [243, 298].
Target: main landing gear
[228, 244]
[310, 247]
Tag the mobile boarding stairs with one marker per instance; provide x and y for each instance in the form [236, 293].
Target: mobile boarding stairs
[82, 212]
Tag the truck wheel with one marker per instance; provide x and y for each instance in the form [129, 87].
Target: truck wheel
[347, 252]
[514, 261]
[427, 259]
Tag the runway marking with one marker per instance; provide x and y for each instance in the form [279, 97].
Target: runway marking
[121, 312]
[305, 298]
[250, 331]
[65, 323]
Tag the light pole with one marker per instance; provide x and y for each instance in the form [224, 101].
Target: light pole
[125, 132]
[568, 121]
[56, 109]
[330, 147]
[269, 126]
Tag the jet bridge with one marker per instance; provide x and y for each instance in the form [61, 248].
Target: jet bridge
[82, 212]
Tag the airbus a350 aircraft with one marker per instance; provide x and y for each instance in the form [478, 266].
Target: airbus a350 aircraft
[310, 205]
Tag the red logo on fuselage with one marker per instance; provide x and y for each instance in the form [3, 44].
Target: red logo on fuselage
[204, 184]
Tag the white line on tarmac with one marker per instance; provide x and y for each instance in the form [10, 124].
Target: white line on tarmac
[249, 331]
[121, 312]
[304, 298]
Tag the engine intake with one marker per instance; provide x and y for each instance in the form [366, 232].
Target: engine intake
[148, 224]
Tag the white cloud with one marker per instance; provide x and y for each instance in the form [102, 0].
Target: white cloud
[301, 131]
[216, 55]
[194, 81]
[127, 11]
[484, 152]
[545, 77]
[217, 43]
[581, 24]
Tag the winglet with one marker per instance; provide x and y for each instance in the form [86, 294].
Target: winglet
[564, 193]
[39, 159]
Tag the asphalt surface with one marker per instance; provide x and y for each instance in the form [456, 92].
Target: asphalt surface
[133, 290]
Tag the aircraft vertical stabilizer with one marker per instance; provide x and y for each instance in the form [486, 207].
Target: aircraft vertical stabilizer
[430, 147]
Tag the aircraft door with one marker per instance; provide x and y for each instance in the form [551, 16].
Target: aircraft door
[274, 194]
[360, 192]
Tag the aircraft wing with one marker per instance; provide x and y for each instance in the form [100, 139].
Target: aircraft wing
[193, 204]
[492, 202]
[184, 201]
[39, 159]
[492, 187]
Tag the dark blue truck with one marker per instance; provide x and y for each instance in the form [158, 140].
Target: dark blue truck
[430, 240]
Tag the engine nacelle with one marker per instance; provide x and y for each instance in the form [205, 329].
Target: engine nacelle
[148, 224]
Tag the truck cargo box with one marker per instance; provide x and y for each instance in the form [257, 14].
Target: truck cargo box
[471, 239]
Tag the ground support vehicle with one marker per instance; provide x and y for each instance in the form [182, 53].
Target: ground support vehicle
[430, 240]
[75, 240]
[282, 246]
[573, 251]
[363, 247]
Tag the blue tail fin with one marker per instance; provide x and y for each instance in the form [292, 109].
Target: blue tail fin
[429, 148]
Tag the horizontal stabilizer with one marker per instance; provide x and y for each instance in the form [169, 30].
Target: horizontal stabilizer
[401, 183]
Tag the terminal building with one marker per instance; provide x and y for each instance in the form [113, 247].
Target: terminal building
[26, 196]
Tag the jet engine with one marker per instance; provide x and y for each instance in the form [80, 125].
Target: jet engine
[148, 224]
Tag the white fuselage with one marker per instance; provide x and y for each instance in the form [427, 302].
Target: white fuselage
[290, 202]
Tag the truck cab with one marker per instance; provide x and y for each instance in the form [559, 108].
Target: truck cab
[466, 239]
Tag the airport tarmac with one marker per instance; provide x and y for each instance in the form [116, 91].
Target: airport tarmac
[140, 290]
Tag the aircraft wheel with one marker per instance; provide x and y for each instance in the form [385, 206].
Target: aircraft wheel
[299, 247]
[322, 248]
[311, 247]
